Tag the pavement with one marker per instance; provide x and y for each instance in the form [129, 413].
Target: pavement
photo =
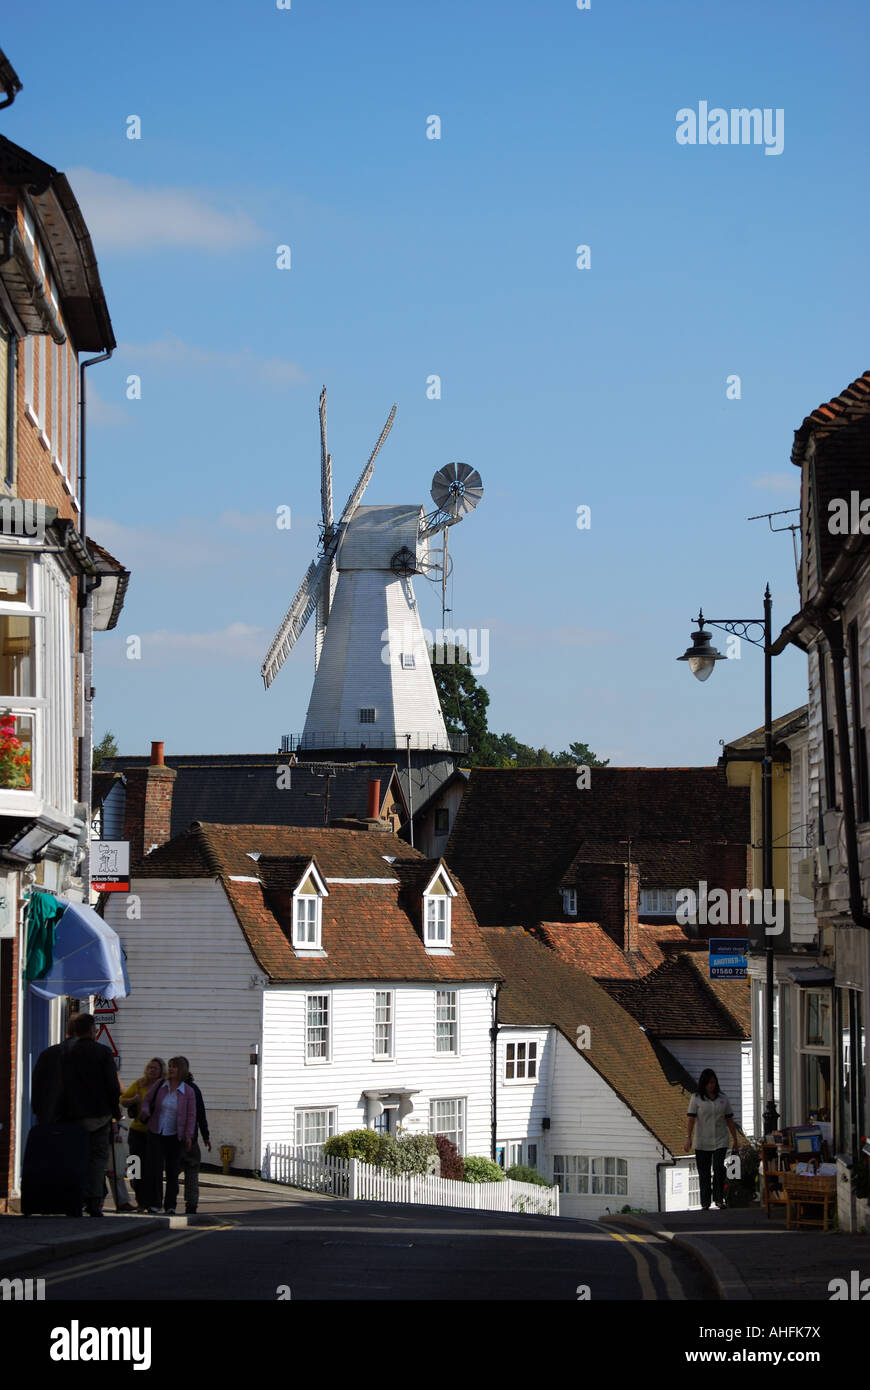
[748, 1256]
[752, 1257]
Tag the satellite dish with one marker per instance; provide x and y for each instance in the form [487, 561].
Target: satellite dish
[457, 488]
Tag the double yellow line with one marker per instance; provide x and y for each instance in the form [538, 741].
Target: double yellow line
[98, 1266]
[648, 1292]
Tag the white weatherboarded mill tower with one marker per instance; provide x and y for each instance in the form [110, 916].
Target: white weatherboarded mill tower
[373, 685]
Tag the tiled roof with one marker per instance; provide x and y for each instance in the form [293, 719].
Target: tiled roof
[852, 404]
[676, 1001]
[781, 729]
[367, 931]
[244, 789]
[840, 430]
[281, 873]
[539, 989]
[518, 831]
[587, 946]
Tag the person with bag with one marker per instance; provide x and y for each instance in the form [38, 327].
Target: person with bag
[191, 1161]
[133, 1099]
[170, 1109]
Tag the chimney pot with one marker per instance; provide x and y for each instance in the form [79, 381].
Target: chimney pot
[157, 755]
[374, 799]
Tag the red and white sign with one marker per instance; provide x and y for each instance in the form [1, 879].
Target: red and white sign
[104, 1008]
[110, 866]
[107, 1040]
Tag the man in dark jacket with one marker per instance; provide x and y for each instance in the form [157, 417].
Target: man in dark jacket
[89, 1096]
[192, 1159]
[45, 1081]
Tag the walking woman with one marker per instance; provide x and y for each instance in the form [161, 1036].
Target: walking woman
[171, 1113]
[710, 1119]
[134, 1098]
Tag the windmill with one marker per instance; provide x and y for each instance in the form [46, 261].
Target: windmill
[373, 684]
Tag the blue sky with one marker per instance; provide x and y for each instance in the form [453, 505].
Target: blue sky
[411, 257]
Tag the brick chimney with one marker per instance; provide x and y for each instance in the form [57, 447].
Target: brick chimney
[148, 812]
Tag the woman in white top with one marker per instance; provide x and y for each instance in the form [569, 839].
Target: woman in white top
[710, 1112]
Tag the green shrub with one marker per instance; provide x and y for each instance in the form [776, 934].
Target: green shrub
[521, 1173]
[387, 1154]
[416, 1154]
[477, 1169]
[355, 1143]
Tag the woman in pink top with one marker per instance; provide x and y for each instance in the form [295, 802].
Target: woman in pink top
[170, 1109]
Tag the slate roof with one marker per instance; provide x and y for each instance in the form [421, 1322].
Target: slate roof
[519, 830]
[242, 789]
[368, 932]
[587, 946]
[539, 989]
[676, 1001]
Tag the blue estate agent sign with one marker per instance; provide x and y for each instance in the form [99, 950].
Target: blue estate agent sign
[728, 958]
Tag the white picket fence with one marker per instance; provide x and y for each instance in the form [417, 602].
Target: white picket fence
[358, 1181]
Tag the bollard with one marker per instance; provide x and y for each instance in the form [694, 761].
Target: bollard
[228, 1153]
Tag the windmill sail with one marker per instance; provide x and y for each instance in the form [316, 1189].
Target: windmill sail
[295, 620]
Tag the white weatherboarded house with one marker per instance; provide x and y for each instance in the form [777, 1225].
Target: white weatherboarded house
[317, 981]
[598, 1111]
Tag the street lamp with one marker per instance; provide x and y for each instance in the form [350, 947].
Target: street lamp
[702, 659]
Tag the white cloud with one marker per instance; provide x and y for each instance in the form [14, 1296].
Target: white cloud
[778, 482]
[104, 414]
[236, 642]
[124, 217]
[203, 544]
[174, 352]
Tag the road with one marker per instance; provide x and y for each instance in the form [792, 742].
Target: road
[267, 1246]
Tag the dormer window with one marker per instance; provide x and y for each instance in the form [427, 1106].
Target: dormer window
[308, 911]
[438, 921]
[306, 921]
[437, 912]
[569, 902]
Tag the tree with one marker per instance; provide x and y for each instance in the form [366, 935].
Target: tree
[463, 701]
[580, 754]
[106, 748]
[464, 704]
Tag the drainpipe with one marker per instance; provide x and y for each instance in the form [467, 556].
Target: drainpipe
[86, 632]
[493, 1033]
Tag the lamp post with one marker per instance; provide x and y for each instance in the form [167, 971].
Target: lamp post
[702, 659]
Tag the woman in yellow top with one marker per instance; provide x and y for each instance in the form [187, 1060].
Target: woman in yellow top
[132, 1098]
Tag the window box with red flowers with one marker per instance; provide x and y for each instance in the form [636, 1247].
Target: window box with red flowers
[16, 741]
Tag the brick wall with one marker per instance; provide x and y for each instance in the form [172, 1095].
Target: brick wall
[148, 811]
